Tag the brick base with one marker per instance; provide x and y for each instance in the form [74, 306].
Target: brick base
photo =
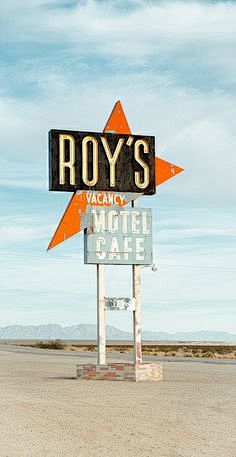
[120, 372]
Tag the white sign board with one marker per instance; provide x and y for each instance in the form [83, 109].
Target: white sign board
[119, 236]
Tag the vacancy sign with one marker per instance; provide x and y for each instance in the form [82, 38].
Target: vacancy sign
[119, 236]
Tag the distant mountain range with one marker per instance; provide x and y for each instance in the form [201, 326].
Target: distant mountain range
[89, 332]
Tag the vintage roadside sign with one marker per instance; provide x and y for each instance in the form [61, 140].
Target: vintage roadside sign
[73, 219]
[119, 236]
[106, 171]
[101, 161]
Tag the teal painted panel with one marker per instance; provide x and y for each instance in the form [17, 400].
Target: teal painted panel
[119, 236]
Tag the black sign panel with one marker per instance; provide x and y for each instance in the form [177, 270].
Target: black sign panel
[101, 162]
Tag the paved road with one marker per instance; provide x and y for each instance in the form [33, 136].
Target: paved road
[113, 356]
[46, 412]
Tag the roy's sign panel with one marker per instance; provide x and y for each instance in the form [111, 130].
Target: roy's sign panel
[101, 161]
[119, 236]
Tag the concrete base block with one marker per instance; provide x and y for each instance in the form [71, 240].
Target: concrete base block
[120, 372]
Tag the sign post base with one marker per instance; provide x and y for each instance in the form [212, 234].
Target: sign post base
[127, 371]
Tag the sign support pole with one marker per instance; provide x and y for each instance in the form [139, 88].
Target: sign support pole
[137, 326]
[101, 335]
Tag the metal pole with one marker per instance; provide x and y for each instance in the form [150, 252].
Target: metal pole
[137, 326]
[101, 330]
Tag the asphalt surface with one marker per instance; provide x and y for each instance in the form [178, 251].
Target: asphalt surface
[113, 356]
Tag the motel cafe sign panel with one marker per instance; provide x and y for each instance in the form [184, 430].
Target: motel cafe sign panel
[118, 236]
[101, 161]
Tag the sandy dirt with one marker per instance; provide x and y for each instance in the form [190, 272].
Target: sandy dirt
[46, 412]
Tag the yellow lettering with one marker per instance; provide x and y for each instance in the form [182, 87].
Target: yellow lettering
[71, 162]
[112, 159]
[85, 142]
[138, 182]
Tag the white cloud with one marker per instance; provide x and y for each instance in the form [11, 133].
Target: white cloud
[19, 233]
[97, 23]
[60, 289]
[192, 130]
[174, 233]
[194, 126]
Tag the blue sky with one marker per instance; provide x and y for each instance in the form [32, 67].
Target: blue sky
[172, 64]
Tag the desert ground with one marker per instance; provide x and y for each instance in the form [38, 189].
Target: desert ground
[46, 412]
[161, 349]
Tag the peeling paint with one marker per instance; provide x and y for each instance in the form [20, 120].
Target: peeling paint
[119, 304]
[117, 236]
